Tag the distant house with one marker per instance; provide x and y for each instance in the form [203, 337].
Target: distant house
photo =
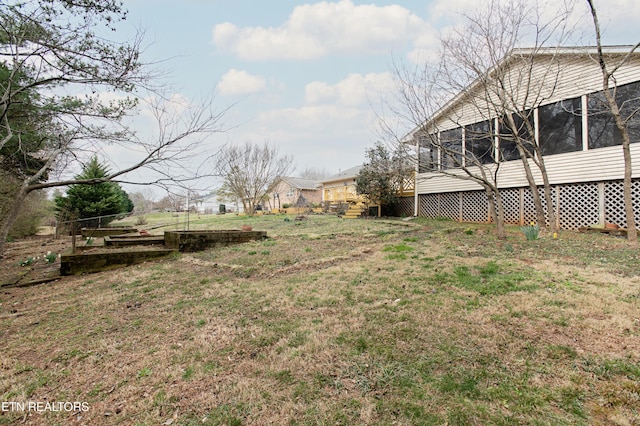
[210, 204]
[579, 141]
[341, 187]
[293, 191]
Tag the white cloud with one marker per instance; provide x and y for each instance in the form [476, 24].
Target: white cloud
[355, 90]
[616, 17]
[316, 30]
[238, 82]
[325, 136]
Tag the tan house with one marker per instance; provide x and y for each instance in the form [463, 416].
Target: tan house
[293, 191]
[341, 187]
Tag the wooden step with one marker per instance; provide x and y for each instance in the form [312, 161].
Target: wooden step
[354, 212]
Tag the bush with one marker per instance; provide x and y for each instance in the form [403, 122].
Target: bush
[141, 220]
[33, 212]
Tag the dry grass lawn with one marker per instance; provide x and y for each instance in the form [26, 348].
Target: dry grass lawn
[329, 321]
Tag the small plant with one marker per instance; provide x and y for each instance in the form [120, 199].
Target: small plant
[188, 373]
[28, 261]
[90, 241]
[50, 257]
[469, 231]
[145, 372]
[531, 231]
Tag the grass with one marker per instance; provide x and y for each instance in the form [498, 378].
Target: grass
[334, 321]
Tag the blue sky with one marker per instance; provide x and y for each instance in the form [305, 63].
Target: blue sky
[309, 76]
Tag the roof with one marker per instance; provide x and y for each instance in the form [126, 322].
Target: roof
[301, 183]
[350, 173]
[514, 55]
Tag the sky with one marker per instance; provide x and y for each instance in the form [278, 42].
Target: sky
[310, 77]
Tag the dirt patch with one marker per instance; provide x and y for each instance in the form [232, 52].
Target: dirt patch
[27, 261]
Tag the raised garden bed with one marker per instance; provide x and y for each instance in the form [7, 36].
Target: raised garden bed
[133, 240]
[103, 232]
[190, 241]
[100, 260]
[123, 250]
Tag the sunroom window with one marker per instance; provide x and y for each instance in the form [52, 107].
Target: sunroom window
[560, 127]
[428, 159]
[508, 136]
[602, 127]
[478, 138]
[451, 143]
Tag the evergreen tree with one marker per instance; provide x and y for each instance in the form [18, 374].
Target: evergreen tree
[93, 201]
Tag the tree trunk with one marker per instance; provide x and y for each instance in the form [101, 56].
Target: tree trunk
[533, 186]
[551, 213]
[12, 214]
[632, 233]
[496, 211]
[500, 232]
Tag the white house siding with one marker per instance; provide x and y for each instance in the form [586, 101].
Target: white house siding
[586, 185]
[577, 76]
[596, 165]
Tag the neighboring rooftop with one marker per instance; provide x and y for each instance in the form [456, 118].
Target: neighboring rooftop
[345, 174]
[301, 183]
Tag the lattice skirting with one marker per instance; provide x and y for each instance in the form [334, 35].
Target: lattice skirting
[575, 205]
[403, 208]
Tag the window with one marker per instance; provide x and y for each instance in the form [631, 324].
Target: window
[628, 97]
[602, 127]
[508, 136]
[479, 139]
[428, 159]
[451, 143]
[560, 127]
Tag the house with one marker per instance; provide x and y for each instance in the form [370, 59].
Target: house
[211, 204]
[293, 191]
[341, 187]
[577, 136]
[339, 194]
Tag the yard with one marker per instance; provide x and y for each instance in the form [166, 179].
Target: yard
[332, 321]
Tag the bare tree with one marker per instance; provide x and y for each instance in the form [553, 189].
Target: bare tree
[481, 66]
[440, 152]
[609, 71]
[251, 171]
[314, 174]
[506, 86]
[65, 92]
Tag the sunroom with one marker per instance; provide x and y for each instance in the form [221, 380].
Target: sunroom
[565, 114]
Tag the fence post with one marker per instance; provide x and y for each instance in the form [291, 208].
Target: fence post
[73, 237]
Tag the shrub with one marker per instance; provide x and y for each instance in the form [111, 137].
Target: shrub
[141, 220]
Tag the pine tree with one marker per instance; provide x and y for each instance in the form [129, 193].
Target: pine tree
[93, 201]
